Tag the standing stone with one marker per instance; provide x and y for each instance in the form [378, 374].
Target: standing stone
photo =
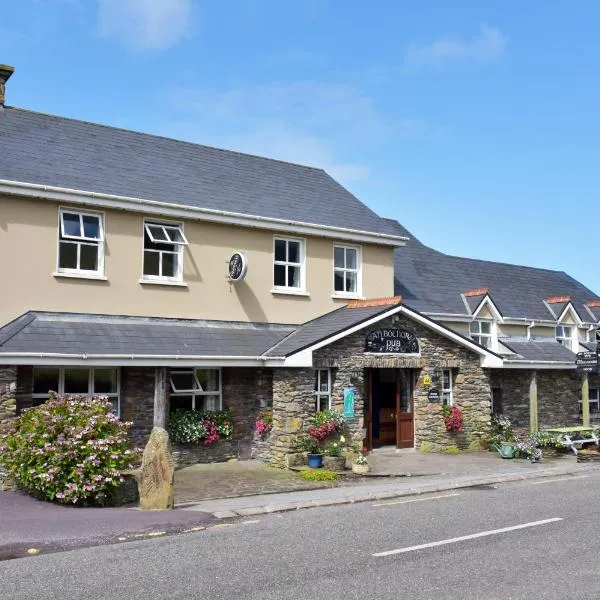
[157, 472]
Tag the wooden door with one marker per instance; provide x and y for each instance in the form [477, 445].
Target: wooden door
[405, 428]
[368, 442]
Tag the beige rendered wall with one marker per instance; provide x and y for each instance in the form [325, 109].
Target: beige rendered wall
[28, 247]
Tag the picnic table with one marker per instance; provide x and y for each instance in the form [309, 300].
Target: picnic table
[577, 436]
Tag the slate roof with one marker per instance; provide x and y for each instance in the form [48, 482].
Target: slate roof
[323, 327]
[56, 151]
[432, 282]
[537, 349]
[67, 333]
[590, 346]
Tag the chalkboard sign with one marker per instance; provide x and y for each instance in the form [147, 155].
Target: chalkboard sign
[433, 395]
[392, 341]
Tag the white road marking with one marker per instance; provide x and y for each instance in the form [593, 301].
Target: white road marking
[559, 479]
[250, 522]
[468, 537]
[415, 500]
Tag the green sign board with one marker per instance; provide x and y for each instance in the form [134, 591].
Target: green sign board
[349, 402]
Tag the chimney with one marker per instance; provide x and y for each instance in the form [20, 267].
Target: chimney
[5, 72]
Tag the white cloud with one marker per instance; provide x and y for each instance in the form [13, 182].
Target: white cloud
[488, 45]
[145, 24]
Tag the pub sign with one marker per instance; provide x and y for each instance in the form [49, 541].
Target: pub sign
[392, 341]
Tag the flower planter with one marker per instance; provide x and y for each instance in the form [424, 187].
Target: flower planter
[360, 469]
[315, 461]
[334, 463]
[592, 457]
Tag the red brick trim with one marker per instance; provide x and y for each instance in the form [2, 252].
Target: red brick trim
[372, 302]
[476, 292]
[593, 303]
[558, 299]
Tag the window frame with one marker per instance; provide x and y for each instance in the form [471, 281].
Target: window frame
[561, 339]
[301, 265]
[79, 241]
[90, 394]
[318, 394]
[479, 336]
[197, 392]
[177, 252]
[344, 270]
[447, 392]
[592, 392]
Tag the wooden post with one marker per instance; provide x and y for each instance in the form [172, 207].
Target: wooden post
[160, 397]
[585, 400]
[533, 403]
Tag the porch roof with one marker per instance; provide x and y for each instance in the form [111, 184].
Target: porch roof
[538, 349]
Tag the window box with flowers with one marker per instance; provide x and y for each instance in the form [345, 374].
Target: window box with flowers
[195, 427]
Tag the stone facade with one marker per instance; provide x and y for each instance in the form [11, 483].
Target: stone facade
[557, 397]
[294, 403]
[8, 395]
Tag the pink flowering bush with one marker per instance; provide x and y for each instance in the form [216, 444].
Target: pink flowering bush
[264, 423]
[453, 418]
[70, 449]
[326, 423]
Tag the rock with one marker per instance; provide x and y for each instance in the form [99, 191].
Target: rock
[157, 472]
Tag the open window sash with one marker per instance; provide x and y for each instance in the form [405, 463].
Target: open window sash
[165, 234]
[196, 387]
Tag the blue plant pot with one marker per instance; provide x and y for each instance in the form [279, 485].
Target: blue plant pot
[315, 461]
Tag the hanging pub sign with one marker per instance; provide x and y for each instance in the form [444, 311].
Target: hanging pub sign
[392, 341]
[238, 267]
[349, 402]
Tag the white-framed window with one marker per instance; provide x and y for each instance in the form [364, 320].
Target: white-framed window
[594, 400]
[481, 332]
[163, 251]
[447, 397]
[346, 270]
[76, 381]
[564, 335]
[195, 389]
[80, 242]
[323, 389]
[288, 264]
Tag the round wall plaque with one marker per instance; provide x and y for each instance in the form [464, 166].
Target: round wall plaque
[238, 266]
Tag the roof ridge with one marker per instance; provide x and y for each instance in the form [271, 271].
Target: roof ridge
[164, 137]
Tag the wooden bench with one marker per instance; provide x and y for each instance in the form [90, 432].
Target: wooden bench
[575, 437]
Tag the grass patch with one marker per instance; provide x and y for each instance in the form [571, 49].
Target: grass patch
[452, 450]
[319, 475]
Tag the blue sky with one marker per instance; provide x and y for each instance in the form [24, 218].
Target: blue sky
[475, 124]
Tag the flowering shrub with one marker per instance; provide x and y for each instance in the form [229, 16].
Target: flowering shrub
[453, 418]
[190, 426]
[70, 449]
[264, 424]
[335, 448]
[326, 423]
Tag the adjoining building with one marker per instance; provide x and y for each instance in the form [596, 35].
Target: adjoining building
[167, 274]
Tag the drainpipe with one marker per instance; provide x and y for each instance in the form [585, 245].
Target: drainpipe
[529, 329]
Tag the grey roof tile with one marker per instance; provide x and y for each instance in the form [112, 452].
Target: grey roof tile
[432, 282]
[538, 349]
[66, 333]
[55, 151]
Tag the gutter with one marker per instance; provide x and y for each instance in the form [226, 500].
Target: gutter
[60, 194]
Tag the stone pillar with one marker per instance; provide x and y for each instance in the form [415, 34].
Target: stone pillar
[585, 400]
[161, 407]
[533, 403]
[8, 390]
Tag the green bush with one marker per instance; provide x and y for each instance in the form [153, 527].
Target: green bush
[191, 427]
[70, 449]
[319, 475]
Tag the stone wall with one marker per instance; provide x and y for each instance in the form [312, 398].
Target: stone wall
[557, 396]
[8, 395]
[137, 402]
[294, 404]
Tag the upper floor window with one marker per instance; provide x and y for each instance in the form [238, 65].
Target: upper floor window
[99, 381]
[163, 251]
[323, 389]
[80, 243]
[288, 264]
[195, 389]
[564, 335]
[481, 332]
[346, 270]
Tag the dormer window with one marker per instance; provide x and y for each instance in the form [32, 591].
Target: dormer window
[481, 332]
[564, 335]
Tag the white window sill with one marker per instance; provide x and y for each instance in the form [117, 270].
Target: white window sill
[81, 276]
[163, 282]
[347, 297]
[290, 292]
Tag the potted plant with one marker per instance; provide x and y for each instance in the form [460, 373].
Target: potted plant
[333, 459]
[360, 465]
[264, 424]
[314, 456]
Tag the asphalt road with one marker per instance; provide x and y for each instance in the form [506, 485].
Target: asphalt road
[531, 539]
